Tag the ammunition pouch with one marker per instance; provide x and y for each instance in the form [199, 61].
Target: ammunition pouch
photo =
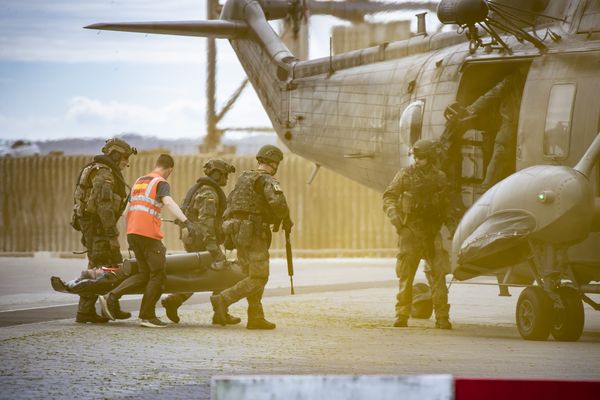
[243, 227]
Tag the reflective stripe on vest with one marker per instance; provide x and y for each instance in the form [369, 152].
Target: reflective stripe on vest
[144, 208]
[143, 217]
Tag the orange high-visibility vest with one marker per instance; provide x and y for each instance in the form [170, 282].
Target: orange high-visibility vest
[143, 217]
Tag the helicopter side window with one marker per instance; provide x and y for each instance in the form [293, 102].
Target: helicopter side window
[590, 20]
[557, 134]
[411, 122]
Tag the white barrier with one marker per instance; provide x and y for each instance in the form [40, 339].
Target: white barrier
[332, 387]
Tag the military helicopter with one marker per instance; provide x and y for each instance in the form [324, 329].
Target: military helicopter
[358, 113]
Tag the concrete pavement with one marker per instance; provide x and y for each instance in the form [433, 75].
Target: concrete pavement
[345, 331]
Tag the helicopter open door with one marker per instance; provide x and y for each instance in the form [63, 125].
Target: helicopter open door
[475, 138]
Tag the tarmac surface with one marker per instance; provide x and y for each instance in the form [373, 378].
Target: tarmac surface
[339, 322]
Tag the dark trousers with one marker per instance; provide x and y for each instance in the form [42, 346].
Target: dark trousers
[151, 259]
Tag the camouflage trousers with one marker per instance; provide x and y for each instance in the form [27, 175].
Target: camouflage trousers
[253, 257]
[101, 250]
[412, 251]
[502, 161]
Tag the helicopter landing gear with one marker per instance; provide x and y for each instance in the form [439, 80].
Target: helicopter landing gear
[568, 322]
[551, 307]
[534, 314]
[537, 317]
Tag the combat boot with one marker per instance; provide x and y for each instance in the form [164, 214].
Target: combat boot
[220, 308]
[443, 323]
[86, 311]
[111, 307]
[94, 318]
[259, 323]
[171, 309]
[401, 322]
[229, 319]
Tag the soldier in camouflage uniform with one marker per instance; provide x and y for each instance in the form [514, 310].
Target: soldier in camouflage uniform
[204, 206]
[416, 204]
[255, 204]
[503, 101]
[100, 199]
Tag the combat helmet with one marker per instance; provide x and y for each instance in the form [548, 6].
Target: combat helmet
[424, 148]
[216, 164]
[118, 145]
[269, 153]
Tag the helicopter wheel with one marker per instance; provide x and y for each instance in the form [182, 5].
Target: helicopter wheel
[534, 314]
[568, 322]
[422, 305]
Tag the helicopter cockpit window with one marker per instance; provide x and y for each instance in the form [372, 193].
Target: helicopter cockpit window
[411, 122]
[557, 134]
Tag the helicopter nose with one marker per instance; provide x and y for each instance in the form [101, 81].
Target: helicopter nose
[551, 204]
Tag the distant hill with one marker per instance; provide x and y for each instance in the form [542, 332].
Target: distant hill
[244, 146]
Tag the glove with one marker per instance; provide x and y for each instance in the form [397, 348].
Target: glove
[215, 253]
[287, 224]
[189, 225]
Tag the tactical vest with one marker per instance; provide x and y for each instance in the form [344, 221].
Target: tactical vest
[192, 214]
[83, 189]
[245, 199]
[204, 181]
[422, 194]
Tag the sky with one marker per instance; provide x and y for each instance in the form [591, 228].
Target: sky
[58, 80]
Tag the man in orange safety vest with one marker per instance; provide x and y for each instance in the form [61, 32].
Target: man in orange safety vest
[148, 196]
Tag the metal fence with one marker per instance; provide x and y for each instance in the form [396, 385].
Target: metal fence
[333, 216]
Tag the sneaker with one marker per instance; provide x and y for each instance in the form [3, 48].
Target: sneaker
[229, 319]
[171, 310]
[401, 322]
[260, 323]
[153, 323]
[108, 310]
[111, 307]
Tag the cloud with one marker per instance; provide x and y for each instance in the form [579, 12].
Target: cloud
[83, 110]
[40, 30]
[104, 48]
[87, 117]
